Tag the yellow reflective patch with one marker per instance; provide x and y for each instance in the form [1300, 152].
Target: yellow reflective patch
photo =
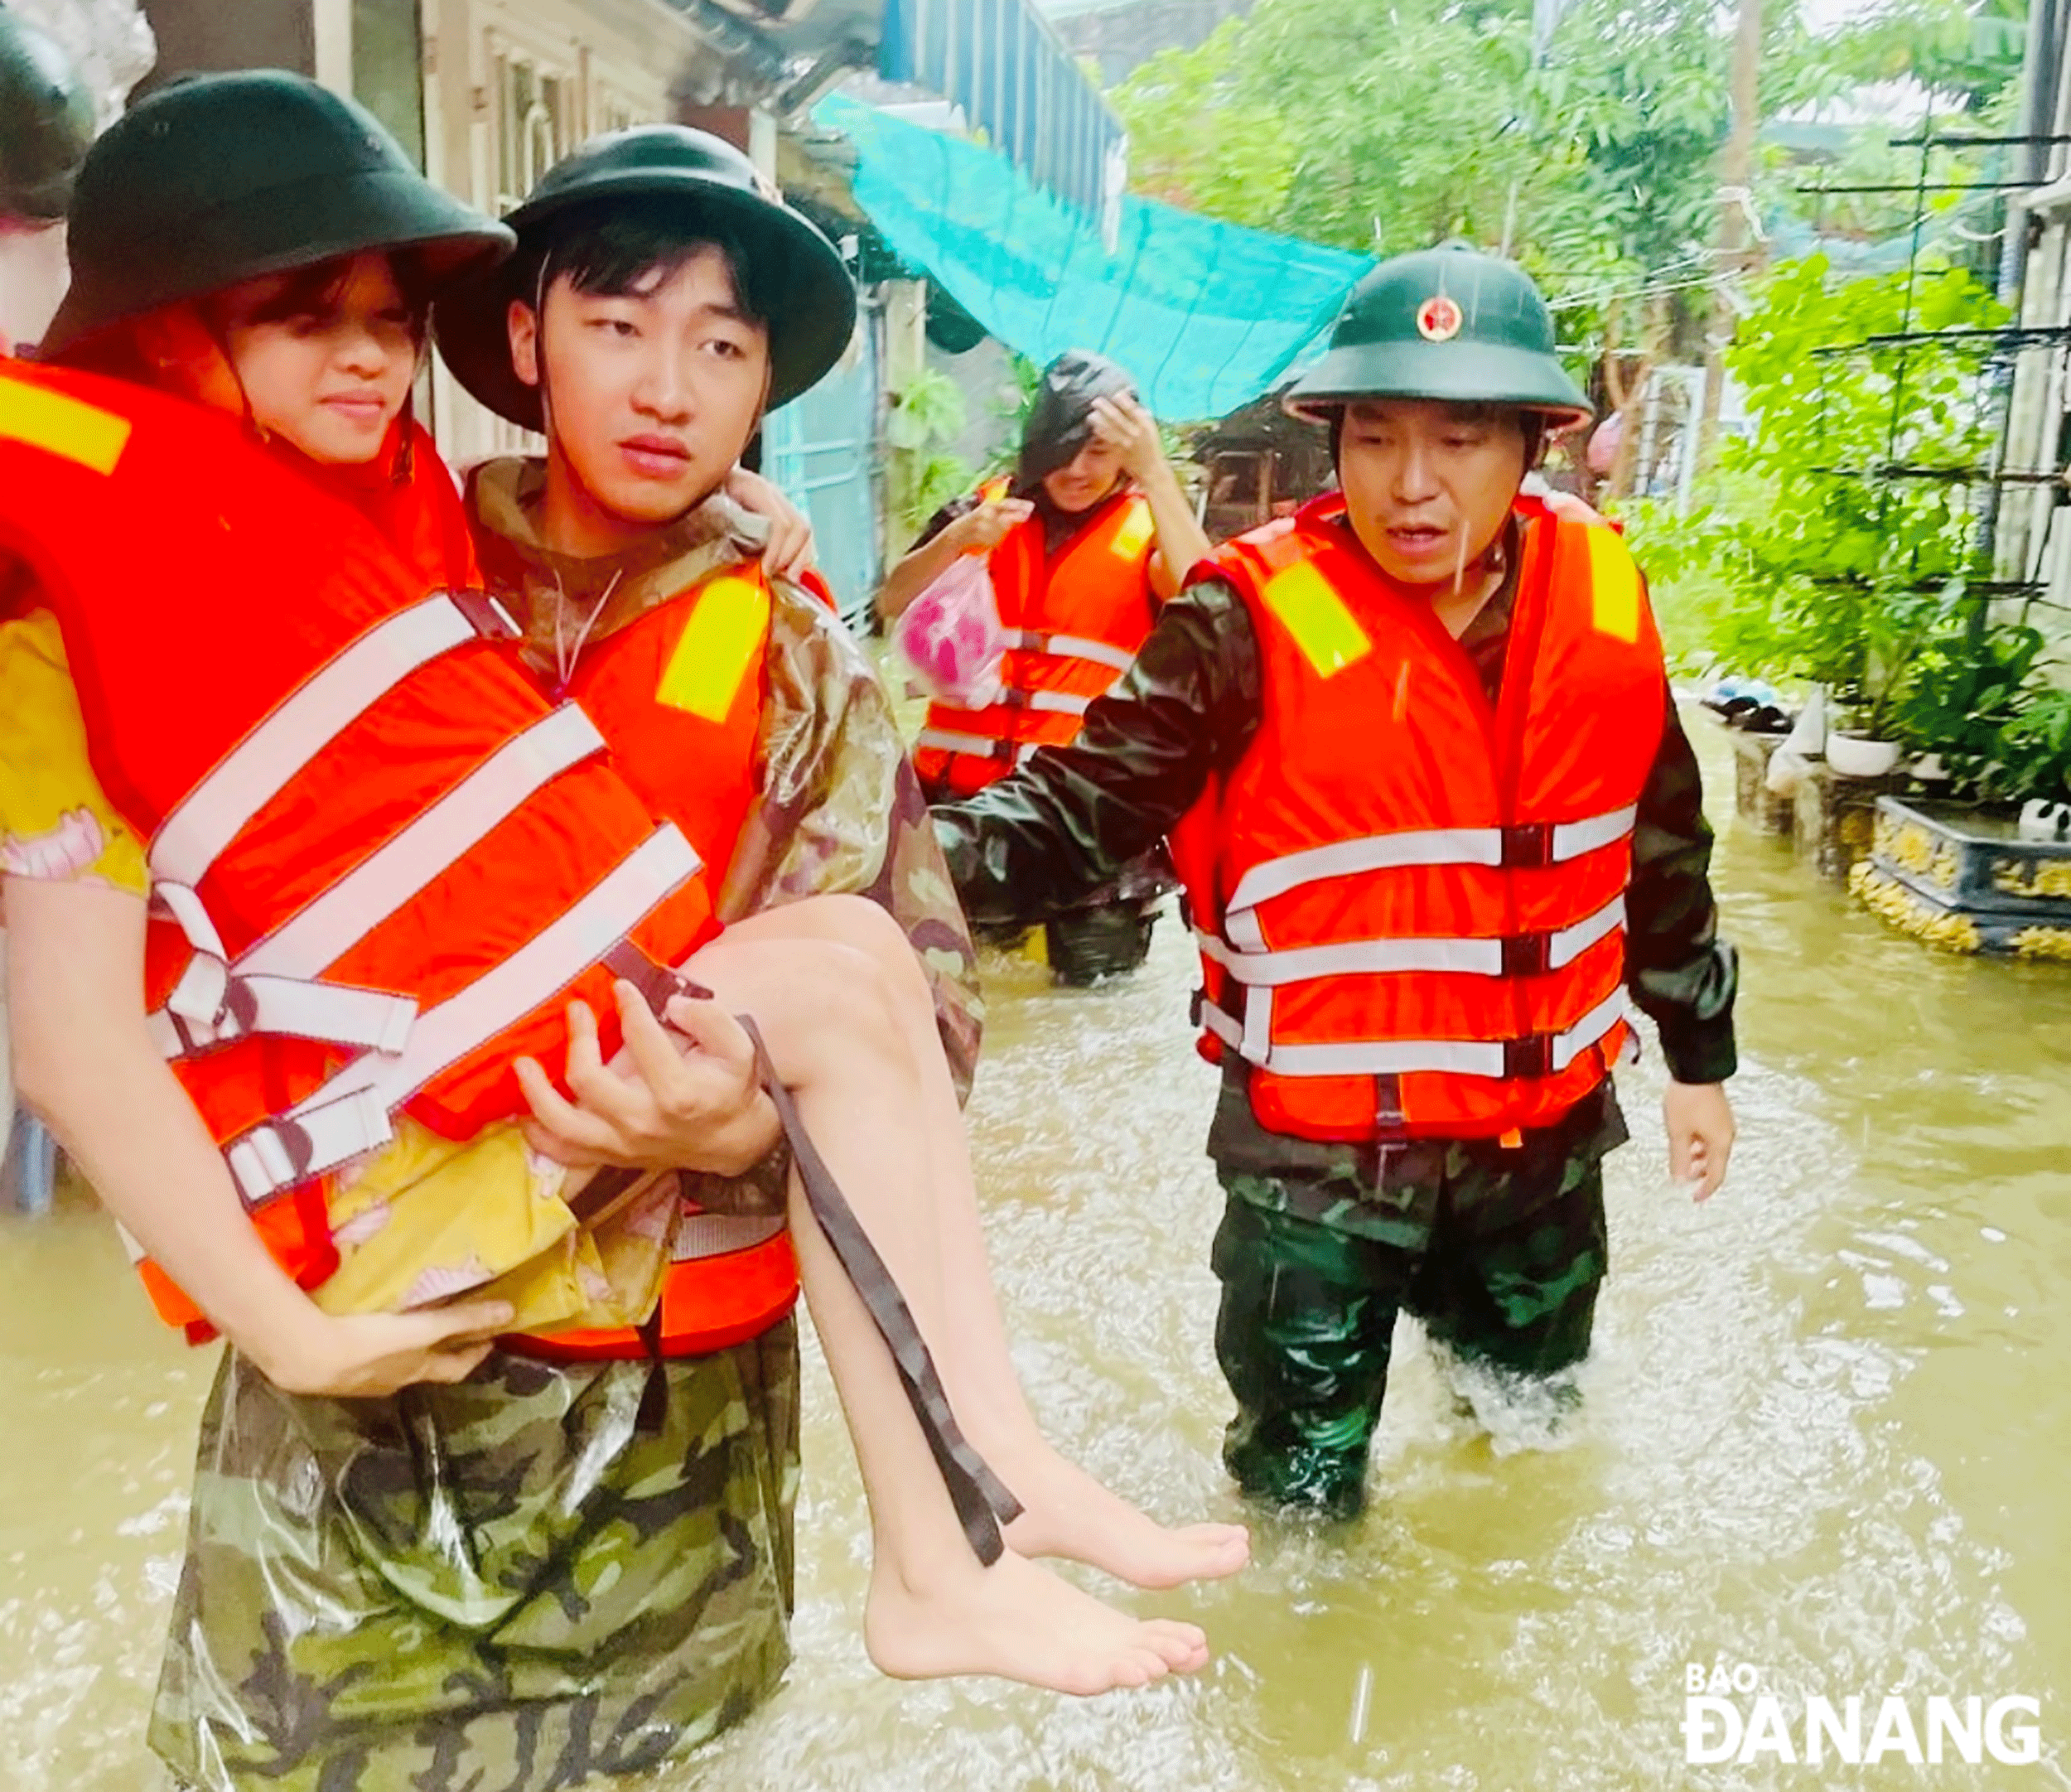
[717, 648]
[1614, 584]
[1328, 633]
[62, 426]
[1134, 533]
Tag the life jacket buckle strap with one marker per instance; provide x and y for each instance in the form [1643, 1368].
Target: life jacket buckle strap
[336, 1014]
[1528, 1059]
[1527, 846]
[657, 983]
[1528, 954]
[488, 618]
[233, 1016]
[270, 1157]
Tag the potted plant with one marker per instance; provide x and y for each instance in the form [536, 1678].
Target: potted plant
[1903, 634]
[1979, 700]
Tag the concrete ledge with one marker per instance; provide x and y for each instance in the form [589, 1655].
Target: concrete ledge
[1753, 800]
[1835, 819]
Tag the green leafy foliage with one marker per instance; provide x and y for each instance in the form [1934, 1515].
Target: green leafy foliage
[1968, 55]
[925, 414]
[1988, 710]
[1813, 560]
[1385, 125]
[1379, 125]
[1830, 569]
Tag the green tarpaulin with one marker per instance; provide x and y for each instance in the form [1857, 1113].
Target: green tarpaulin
[1205, 314]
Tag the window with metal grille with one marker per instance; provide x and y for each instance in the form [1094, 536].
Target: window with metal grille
[534, 126]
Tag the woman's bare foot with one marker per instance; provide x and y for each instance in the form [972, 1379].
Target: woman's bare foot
[1022, 1623]
[1066, 1511]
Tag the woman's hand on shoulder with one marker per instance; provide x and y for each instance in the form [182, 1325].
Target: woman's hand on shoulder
[789, 552]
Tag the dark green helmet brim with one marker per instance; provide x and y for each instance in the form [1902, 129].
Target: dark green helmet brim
[797, 277]
[226, 178]
[1458, 373]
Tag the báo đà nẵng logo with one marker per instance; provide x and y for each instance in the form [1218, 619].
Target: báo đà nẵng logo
[1730, 1716]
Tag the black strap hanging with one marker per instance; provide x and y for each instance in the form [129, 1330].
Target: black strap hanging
[983, 1504]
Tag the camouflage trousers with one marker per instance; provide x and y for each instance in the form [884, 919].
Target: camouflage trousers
[506, 1584]
[1502, 1267]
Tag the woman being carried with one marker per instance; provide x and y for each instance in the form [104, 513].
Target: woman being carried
[321, 358]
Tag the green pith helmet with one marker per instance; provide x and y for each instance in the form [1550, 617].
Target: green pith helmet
[796, 279]
[1448, 323]
[46, 121]
[221, 178]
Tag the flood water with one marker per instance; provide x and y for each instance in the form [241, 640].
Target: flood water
[1827, 1429]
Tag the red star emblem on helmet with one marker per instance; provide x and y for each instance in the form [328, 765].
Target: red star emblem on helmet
[1439, 319]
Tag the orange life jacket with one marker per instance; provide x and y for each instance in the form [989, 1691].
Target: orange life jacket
[1073, 625]
[1410, 903]
[678, 693]
[390, 859]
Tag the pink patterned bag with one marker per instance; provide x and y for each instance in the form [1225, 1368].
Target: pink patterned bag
[950, 636]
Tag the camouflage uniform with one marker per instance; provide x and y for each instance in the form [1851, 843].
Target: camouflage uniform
[1499, 1251]
[508, 1583]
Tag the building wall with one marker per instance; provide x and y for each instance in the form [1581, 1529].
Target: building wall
[2034, 534]
[197, 34]
[512, 86]
[991, 399]
[386, 55]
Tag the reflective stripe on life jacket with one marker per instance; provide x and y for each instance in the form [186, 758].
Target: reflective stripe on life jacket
[1410, 904]
[391, 859]
[680, 692]
[1073, 627]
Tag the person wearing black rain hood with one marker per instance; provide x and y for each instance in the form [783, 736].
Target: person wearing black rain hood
[1091, 534]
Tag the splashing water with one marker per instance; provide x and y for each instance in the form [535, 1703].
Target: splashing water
[1824, 1432]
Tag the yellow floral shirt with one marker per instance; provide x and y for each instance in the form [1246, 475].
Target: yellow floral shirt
[54, 822]
[423, 1218]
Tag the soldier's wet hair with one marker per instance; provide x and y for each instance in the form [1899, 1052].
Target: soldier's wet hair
[624, 248]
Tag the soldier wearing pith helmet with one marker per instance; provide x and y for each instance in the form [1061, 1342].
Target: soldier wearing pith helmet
[1439, 827]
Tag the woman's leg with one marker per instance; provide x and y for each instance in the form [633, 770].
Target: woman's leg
[1068, 1513]
[933, 1608]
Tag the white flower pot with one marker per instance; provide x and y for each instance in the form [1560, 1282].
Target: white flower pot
[1854, 757]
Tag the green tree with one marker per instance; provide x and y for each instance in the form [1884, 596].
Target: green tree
[1379, 125]
[1382, 125]
[1823, 554]
[1965, 53]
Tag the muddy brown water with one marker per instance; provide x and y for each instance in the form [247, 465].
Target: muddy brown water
[1826, 1438]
